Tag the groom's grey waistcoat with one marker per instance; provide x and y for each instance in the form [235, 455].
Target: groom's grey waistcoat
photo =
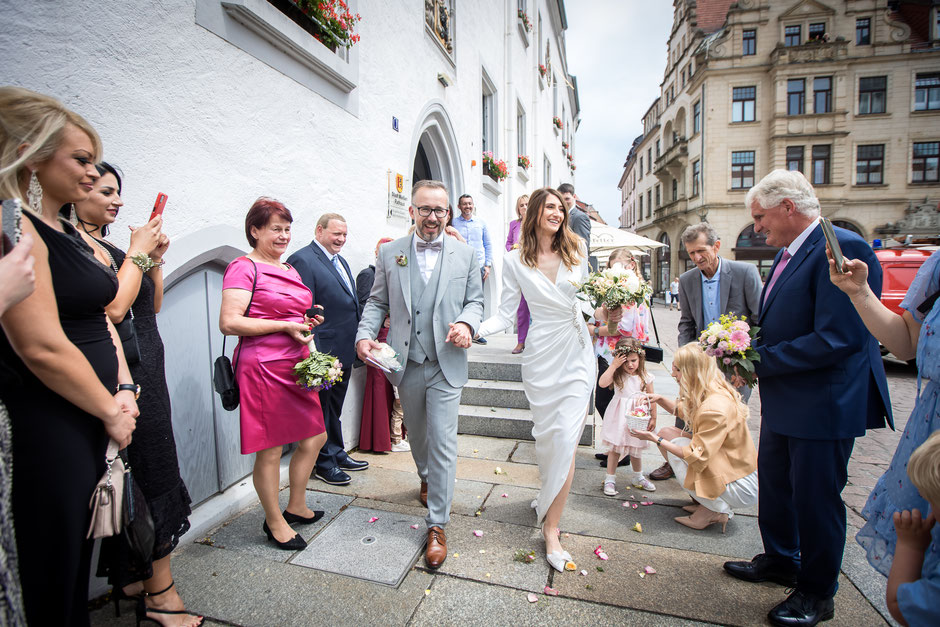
[422, 307]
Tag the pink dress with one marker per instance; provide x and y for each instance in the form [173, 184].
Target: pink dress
[274, 409]
[615, 433]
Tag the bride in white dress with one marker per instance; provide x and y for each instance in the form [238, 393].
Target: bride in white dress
[558, 365]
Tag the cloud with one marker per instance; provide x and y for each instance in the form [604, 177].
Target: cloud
[617, 49]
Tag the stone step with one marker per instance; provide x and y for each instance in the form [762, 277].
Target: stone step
[492, 393]
[495, 368]
[497, 422]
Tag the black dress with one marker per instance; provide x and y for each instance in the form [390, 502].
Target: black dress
[58, 449]
[152, 452]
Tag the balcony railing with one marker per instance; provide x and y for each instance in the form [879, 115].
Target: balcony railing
[675, 156]
[676, 207]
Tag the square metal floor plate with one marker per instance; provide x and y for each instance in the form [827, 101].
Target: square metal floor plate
[382, 551]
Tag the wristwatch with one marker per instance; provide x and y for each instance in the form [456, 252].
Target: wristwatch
[130, 387]
[659, 441]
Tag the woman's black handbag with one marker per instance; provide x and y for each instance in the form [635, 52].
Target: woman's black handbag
[138, 530]
[128, 335]
[126, 331]
[654, 354]
[223, 373]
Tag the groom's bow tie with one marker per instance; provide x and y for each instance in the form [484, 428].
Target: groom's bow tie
[423, 245]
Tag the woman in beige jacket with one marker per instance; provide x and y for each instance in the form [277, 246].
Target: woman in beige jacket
[717, 466]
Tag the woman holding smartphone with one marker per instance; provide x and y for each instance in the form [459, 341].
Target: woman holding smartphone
[152, 454]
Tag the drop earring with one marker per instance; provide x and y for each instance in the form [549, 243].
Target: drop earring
[34, 193]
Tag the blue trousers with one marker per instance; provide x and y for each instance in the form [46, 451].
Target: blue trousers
[801, 513]
[331, 402]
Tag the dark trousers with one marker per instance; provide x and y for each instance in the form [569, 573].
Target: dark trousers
[801, 513]
[331, 401]
[602, 396]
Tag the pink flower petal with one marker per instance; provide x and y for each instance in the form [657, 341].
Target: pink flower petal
[634, 505]
[414, 526]
[626, 503]
[504, 495]
[646, 503]
[649, 570]
[373, 519]
[478, 533]
[550, 591]
[532, 597]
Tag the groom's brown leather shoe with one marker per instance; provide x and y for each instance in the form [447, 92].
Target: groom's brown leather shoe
[436, 552]
[423, 493]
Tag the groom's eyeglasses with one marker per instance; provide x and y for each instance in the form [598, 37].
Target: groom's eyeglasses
[439, 212]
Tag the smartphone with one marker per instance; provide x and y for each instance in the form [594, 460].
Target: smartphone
[158, 206]
[835, 249]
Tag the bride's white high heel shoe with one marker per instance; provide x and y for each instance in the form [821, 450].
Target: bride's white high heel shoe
[559, 560]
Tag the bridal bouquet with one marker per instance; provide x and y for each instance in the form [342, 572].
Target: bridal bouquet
[614, 287]
[730, 341]
[318, 372]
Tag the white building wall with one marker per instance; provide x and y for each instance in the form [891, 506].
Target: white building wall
[183, 111]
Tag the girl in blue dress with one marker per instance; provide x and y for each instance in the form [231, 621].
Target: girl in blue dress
[914, 333]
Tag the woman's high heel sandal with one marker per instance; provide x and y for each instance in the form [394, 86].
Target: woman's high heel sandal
[715, 517]
[142, 608]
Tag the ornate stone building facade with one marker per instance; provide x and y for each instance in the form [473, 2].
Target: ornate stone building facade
[846, 92]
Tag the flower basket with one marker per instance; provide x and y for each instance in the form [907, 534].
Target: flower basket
[557, 122]
[542, 70]
[524, 162]
[564, 145]
[328, 21]
[526, 24]
[638, 416]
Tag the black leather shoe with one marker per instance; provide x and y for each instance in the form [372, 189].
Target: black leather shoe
[352, 464]
[294, 544]
[623, 462]
[802, 609]
[332, 476]
[764, 568]
[302, 520]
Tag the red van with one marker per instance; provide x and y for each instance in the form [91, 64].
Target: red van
[899, 266]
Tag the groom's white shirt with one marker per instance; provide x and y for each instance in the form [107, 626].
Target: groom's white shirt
[427, 258]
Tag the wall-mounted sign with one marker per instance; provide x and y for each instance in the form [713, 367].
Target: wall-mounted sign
[394, 124]
[397, 200]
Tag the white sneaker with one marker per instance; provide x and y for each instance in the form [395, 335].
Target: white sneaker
[401, 447]
[644, 484]
[610, 488]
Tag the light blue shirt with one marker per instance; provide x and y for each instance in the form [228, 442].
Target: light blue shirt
[474, 231]
[711, 297]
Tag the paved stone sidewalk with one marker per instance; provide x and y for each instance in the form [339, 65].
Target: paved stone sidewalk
[234, 577]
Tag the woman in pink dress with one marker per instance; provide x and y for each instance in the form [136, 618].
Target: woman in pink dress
[522, 314]
[264, 302]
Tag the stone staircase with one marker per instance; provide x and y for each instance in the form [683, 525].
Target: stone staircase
[493, 402]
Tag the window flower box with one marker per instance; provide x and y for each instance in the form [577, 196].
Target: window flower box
[329, 21]
[494, 168]
[557, 122]
[524, 162]
[524, 20]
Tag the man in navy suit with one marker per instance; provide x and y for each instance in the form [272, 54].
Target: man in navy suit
[327, 274]
[822, 384]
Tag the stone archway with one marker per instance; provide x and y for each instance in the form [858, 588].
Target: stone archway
[434, 150]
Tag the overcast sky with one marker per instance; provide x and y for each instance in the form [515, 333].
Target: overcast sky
[617, 49]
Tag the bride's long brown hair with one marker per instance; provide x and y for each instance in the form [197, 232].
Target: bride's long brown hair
[564, 242]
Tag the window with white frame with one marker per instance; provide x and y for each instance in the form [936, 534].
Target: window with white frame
[520, 129]
[546, 171]
[554, 95]
[488, 134]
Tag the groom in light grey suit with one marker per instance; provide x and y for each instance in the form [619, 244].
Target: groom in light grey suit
[429, 285]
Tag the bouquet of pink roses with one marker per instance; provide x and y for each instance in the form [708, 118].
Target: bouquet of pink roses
[731, 342]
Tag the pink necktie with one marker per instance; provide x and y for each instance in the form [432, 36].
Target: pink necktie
[784, 260]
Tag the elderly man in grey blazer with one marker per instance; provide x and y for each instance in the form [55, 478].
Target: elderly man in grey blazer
[713, 288]
[430, 287]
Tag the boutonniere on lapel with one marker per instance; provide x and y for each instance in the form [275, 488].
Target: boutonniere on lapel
[401, 260]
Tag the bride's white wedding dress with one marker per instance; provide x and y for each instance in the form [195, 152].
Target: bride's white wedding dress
[558, 365]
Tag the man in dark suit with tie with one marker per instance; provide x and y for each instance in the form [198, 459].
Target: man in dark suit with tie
[822, 384]
[328, 276]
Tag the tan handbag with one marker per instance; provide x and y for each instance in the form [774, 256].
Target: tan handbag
[107, 498]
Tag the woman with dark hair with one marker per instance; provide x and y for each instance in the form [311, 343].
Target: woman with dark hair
[264, 303]
[63, 376]
[558, 365]
[152, 454]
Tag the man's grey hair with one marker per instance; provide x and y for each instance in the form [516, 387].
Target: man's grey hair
[426, 183]
[694, 231]
[781, 184]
